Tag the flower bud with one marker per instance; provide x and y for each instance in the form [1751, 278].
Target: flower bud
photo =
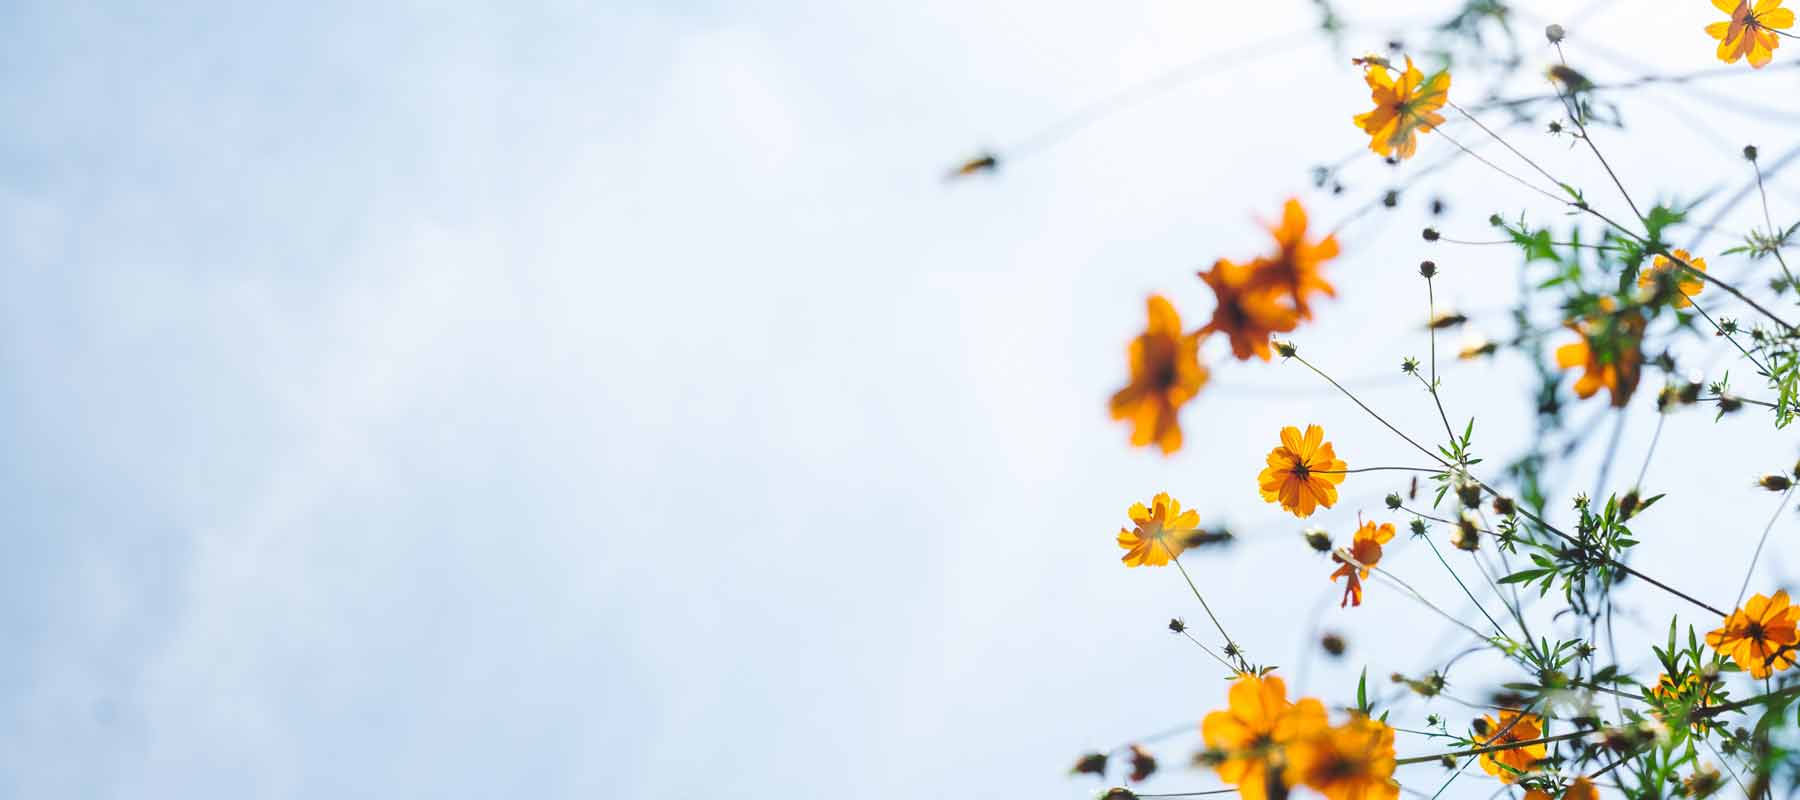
[1393, 498]
[1628, 505]
[1430, 234]
[1554, 33]
[1318, 539]
[1286, 349]
[1774, 483]
[1469, 493]
[1143, 765]
[1428, 268]
[1177, 626]
[1467, 536]
[1333, 644]
[1505, 507]
[1090, 764]
[1749, 152]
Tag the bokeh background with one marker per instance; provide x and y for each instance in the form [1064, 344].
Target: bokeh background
[557, 400]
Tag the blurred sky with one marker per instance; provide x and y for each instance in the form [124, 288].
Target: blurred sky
[557, 400]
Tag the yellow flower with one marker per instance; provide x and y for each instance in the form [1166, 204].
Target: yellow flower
[1158, 532]
[1402, 107]
[1365, 547]
[1253, 729]
[1303, 472]
[1165, 374]
[1294, 268]
[1761, 636]
[1686, 283]
[1248, 316]
[1509, 764]
[1353, 761]
[1750, 33]
[1581, 789]
[1608, 353]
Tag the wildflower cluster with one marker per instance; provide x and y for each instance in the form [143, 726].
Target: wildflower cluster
[1609, 302]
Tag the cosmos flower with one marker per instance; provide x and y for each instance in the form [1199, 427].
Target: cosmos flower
[1685, 283]
[1750, 34]
[1353, 761]
[1609, 355]
[1165, 374]
[1158, 533]
[1403, 106]
[1365, 547]
[1509, 764]
[1294, 269]
[1303, 473]
[1761, 636]
[1246, 315]
[1253, 729]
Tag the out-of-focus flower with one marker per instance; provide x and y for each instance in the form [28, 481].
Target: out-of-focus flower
[1294, 269]
[1303, 473]
[1581, 789]
[1685, 284]
[1090, 764]
[1246, 315]
[1353, 761]
[1143, 764]
[1165, 374]
[980, 163]
[1159, 532]
[1253, 730]
[1509, 764]
[1609, 354]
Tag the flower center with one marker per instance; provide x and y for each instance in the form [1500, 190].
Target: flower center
[1754, 631]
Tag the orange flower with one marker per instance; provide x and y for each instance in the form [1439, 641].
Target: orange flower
[1509, 764]
[1165, 374]
[1365, 547]
[1536, 794]
[1303, 472]
[1353, 761]
[1761, 636]
[1294, 269]
[1581, 789]
[1686, 283]
[1608, 354]
[1158, 533]
[1253, 730]
[1751, 32]
[1402, 107]
[1248, 316]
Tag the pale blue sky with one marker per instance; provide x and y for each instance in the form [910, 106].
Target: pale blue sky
[555, 400]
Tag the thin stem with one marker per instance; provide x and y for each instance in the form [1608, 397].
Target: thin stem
[1509, 147]
[1378, 417]
[1492, 748]
[1374, 469]
[1754, 557]
[1654, 438]
[1209, 651]
[1431, 333]
[1769, 221]
[1498, 631]
[1230, 644]
[1575, 116]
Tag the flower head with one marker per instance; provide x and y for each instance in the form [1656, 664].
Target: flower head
[1303, 473]
[1403, 106]
[1294, 268]
[1685, 284]
[1581, 789]
[1158, 532]
[1512, 727]
[1761, 636]
[1609, 354]
[1750, 34]
[1252, 731]
[1165, 374]
[1245, 314]
[1365, 548]
[1353, 761]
